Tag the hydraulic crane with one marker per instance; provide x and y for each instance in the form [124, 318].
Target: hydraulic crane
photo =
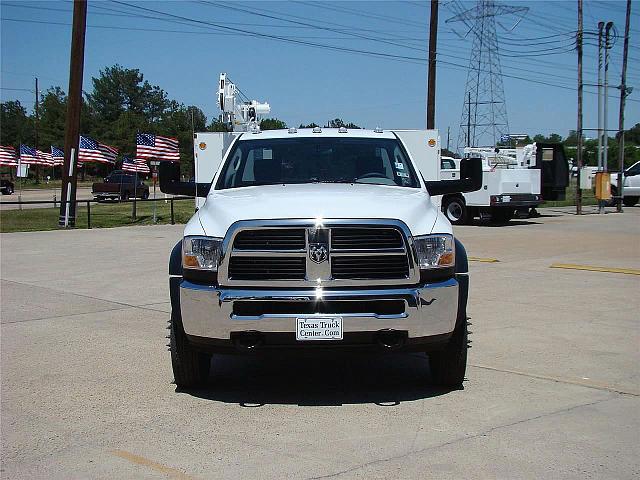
[239, 116]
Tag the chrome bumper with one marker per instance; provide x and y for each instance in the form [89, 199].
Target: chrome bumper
[430, 309]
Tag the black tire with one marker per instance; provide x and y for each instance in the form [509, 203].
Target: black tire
[448, 366]
[456, 211]
[501, 215]
[190, 367]
[8, 190]
[630, 201]
[145, 194]
[124, 195]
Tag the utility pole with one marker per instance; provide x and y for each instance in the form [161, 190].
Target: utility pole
[605, 123]
[579, 130]
[469, 121]
[448, 137]
[37, 111]
[72, 126]
[623, 96]
[600, 31]
[431, 88]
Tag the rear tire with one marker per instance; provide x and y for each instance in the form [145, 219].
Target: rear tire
[124, 196]
[190, 367]
[448, 366]
[630, 201]
[456, 211]
[8, 190]
[145, 195]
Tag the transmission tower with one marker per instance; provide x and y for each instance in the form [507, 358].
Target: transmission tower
[484, 113]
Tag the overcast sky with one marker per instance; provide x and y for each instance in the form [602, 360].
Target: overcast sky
[310, 72]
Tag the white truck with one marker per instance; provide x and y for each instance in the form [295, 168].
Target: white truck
[506, 188]
[630, 185]
[318, 238]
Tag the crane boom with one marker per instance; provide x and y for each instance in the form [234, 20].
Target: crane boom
[237, 115]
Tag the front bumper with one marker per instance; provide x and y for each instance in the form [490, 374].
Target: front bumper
[209, 312]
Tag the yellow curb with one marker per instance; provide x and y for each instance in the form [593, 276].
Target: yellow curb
[484, 260]
[590, 268]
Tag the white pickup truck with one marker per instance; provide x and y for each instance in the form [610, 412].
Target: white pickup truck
[317, 238]
[631, 185]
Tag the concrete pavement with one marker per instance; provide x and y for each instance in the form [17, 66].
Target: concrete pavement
[552, 389]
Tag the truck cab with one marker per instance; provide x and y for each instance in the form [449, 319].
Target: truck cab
[316, 238]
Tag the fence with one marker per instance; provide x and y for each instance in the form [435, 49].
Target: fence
[109, 213]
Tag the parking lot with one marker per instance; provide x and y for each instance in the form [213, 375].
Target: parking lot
[552, 390]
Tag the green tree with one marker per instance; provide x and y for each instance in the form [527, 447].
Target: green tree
[310, 125]
[53, 112]
[119, 89]
[337, 123]
[217, 126]
[272, 124]
[17, 126]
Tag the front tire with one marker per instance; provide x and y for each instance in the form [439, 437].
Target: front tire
[630, 201]
[448, 366]
[456, 211]
[190, 367]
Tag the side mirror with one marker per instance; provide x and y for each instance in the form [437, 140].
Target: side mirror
[169, 173]
[470, 179]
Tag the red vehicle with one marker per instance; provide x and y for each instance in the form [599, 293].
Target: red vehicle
[120, 185]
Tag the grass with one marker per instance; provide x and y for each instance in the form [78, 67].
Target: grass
[103, 215]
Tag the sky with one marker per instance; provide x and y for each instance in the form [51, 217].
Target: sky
[362, 61]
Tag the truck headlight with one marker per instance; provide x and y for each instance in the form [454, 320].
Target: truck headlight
[201, 253]
[435, 251]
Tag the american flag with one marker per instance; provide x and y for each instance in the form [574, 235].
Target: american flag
[57, 155]
[8, 156]
[92, 151]
[155, 147]
[136, 165]
[28, 155]
[44, 158]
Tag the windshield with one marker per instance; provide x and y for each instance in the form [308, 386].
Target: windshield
[317, 160]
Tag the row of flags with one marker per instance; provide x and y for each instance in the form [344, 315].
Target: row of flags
[148, 147]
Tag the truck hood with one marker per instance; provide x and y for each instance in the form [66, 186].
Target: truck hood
[319, 200]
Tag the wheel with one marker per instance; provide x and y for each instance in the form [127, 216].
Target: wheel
[124, 196]
[456, 210]
[449, 365]
[630, 201]
[190, 367]
[145, 195]
[8, 190]
[501, 215]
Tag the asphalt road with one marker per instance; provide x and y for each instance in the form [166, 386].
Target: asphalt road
[552, 389]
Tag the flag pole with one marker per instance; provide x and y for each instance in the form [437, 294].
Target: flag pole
[135, 196]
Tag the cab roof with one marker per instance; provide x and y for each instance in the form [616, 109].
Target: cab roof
[325, 133]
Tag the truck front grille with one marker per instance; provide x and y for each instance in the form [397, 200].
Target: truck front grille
[359, 238]
[266, 268]
[271, 239]
[370, 267]
[270, 253]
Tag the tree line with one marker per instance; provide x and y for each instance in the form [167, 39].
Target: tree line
[122, 102]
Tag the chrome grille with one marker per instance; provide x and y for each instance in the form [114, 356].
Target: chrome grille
[279, 253]
[266, 268]
[370, 267]
[271, 239]
[365, 237]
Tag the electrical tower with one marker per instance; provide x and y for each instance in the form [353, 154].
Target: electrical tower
[484, 113]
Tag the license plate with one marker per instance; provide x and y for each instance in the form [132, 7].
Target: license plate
[319, 328]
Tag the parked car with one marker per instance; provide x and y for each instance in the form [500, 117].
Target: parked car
[6, 187]
[120, 185]
[319, 238]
